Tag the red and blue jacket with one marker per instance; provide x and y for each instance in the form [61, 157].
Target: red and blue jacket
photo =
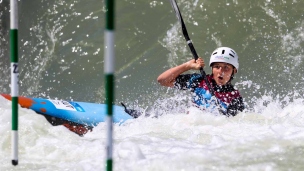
[229, 98]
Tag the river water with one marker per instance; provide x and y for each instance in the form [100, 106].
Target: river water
[61, 56]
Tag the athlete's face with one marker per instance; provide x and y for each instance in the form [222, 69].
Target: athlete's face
[222, 72]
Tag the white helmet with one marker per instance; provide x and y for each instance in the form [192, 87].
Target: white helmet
[225, 54]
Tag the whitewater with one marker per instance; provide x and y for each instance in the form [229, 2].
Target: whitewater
[61, 57]
[196, 140]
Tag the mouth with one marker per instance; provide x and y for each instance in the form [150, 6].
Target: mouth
[220, 78]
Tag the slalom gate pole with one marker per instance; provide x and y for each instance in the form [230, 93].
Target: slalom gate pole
[109, 78]
[14, 77]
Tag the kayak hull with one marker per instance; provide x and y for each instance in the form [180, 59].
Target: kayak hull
[90, 114]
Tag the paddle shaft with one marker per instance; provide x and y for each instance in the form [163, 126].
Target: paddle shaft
[193, 51]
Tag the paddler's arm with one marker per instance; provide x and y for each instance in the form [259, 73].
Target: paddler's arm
[168, 77]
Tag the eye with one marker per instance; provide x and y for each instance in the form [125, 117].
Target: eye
[216, 66]
[226, 67]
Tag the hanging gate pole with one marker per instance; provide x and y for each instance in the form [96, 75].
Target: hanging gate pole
[14, 78]
[109, 78]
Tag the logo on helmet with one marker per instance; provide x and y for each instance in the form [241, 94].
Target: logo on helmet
[222, 57]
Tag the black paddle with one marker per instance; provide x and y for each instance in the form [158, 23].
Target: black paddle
[193, 51]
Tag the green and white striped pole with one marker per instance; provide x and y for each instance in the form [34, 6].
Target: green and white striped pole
[109, 59]
[14, 78]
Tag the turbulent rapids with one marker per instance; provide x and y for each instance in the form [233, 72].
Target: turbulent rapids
[61, 57]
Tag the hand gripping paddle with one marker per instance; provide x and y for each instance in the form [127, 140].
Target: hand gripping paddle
[193, 51]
